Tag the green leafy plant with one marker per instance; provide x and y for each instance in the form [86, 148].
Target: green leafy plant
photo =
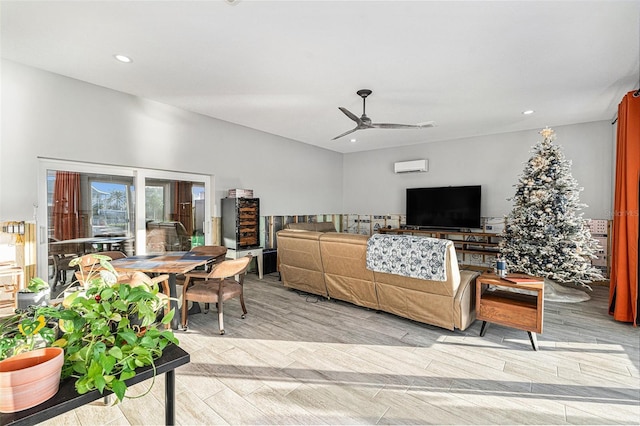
[28, 330]
[108, 329]
[111, 328]
[37, 284]
[104, 344]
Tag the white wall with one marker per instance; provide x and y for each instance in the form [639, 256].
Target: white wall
[495, 162]
[48, 115]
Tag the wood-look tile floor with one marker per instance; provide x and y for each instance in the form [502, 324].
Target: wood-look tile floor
[298, 359]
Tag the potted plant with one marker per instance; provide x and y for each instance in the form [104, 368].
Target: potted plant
[107, 330]
[30, 358]
[27, 330]
[111, 327]
[37, 293]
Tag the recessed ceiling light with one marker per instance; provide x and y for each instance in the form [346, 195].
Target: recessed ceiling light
[528, 112]
[123, 58]
[353, 140]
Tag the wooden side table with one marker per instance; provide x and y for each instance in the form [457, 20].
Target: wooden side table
[512, 309]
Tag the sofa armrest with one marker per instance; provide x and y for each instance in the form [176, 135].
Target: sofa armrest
[464, 304]
[300, 262]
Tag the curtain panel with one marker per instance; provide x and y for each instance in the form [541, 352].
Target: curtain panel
[623, 290]
[66, 206]
[182, 207]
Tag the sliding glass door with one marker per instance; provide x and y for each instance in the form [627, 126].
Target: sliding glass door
[86, 208]
[171, 221]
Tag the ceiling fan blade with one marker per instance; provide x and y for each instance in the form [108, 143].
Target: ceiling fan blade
[350, 115]
[402, 126]
[427, 124]
[345, 133]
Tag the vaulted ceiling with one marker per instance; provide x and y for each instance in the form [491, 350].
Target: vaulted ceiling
[284, 67]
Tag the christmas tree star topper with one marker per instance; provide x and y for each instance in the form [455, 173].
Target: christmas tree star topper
[547, 132]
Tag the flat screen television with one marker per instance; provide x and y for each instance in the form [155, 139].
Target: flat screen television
[444, 207]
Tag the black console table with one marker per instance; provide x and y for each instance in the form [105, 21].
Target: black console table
[68, 399]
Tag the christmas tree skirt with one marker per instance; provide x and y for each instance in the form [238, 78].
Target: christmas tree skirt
[555, 292]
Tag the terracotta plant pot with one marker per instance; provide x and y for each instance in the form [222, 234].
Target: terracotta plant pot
[30, 378]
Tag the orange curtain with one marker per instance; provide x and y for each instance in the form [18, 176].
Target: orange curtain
[66, 206]
[623, 291]
[183, 205]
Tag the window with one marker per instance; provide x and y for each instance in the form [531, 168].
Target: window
[154, 202]
[93, 207]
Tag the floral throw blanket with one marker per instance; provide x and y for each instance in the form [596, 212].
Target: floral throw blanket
[408, 255]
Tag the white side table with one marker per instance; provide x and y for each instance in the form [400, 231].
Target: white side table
[255, 252]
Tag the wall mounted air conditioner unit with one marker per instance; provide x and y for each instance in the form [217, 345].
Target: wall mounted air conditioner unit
[411, 166]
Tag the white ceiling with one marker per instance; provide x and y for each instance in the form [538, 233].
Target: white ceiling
[284, 67]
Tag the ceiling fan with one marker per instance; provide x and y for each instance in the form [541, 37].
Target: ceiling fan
[364, 122]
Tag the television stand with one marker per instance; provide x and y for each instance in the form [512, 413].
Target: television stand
[484, 244]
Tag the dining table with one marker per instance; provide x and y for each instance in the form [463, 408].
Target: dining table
[104, 243]
[171, 263]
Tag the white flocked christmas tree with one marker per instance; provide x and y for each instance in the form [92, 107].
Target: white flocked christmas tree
[545, 235]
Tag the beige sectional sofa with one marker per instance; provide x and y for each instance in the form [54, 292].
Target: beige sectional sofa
[333, 265]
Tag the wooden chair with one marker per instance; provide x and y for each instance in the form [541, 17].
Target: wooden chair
[89, 263]
[137, 278]
[60, 262]
[115, 254]
[217, 252]
[215, 287]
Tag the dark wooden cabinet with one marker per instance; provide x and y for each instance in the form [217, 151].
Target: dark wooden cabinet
[241, 222]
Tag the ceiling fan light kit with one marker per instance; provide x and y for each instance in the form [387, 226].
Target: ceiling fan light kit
[363, 122]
